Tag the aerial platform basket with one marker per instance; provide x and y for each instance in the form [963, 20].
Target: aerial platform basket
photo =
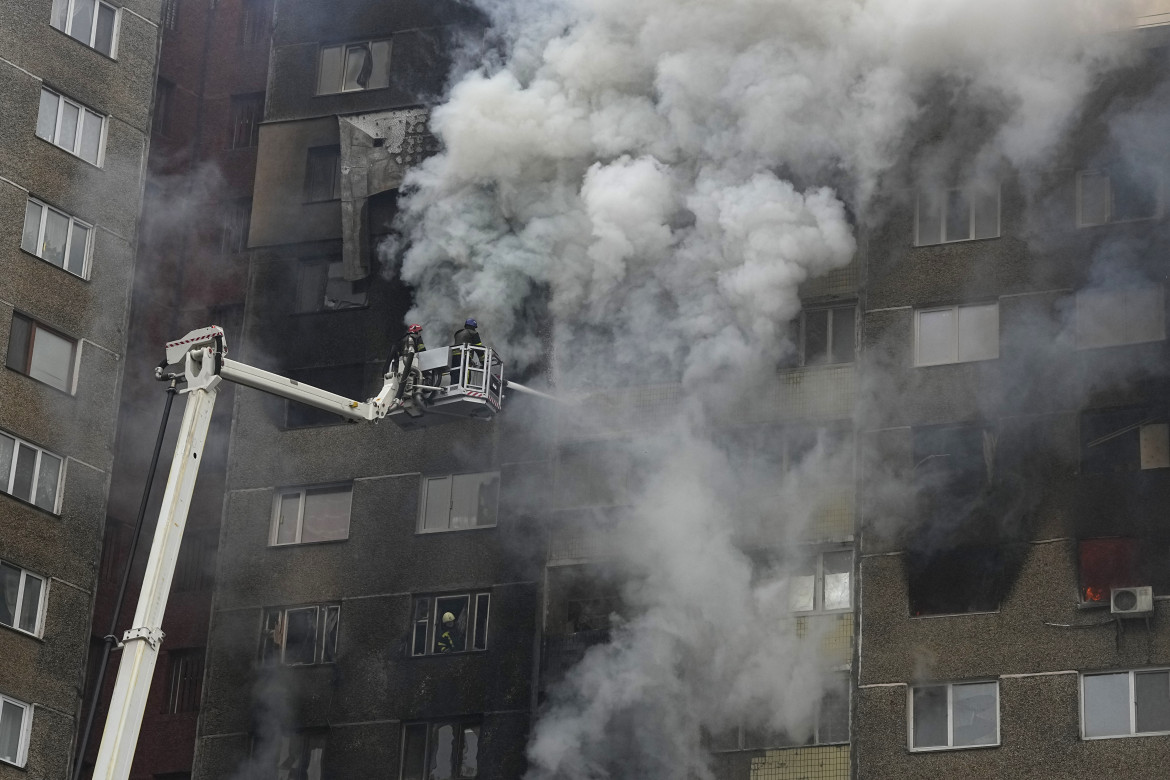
[469, 385]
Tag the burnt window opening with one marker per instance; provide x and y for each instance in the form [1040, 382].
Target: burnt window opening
[440, 749]
[300, 636]
[588, 615]
[824, 336]
[955, 582]
[1121, 440]
[1105, 564]
[454, 623]
[953, 465]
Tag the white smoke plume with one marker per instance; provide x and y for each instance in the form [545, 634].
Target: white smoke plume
[660, 177]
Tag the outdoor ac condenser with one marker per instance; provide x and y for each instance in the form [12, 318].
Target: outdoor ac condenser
[1132, 602]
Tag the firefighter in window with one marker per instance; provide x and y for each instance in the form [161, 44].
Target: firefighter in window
[450, 638]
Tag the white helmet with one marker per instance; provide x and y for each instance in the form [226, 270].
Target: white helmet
[448, 618]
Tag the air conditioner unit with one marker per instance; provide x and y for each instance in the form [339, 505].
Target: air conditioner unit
[1132, 602]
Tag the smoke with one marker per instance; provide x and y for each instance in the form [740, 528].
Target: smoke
[659, 179]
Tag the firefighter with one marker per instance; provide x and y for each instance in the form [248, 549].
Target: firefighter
[412, 342]
[468, 335]
[449, 637]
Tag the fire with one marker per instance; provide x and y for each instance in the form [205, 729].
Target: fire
[1094, 594]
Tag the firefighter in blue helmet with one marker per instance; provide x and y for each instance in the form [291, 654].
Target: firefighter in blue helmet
[450, 638]
[466, 336]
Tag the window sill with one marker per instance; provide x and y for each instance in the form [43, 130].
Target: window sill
[43, 384]
[421, 532]
[1122, 344]
[947, 747]
[22, 632]
[111, 58]
[448, 655]
[306, 544]
[1127, 736]
[953, 615]
[59, 268]
[30, 505]
[101, 157]
[6, 762]
[341, 310]
[955, 362]
[956, 241]
[349, 91]
[1086, 225]
[318, 201]
[806, 746]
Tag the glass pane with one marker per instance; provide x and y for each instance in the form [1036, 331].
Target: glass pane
[474, 502]
[11, 721]
[1094, 199]
[930, 716]
[59, 15]
[7, 443]
[958, 225]
[339, 293]
[838, 569]
[329, 644]
[380, 75]
[442, 752]
[929, 220]
[468, 763]
[1152, 690]
[286, 518]
[414, 752]
[451, 624]
[50, 474]
[326, 514]
[81, 25]
[104, 38]
[30, 604]
[91, 138]
[47, 115]
[987, 213]
[801, 590]
[437, 509]
[936, 337]
[77, 247]
[56, 231]
[329, 79]
[26, 463]
[51, 359]
[67, 132]
[482, 604]
[300, 639]
[979, 332]
[844, 335]
[1106, 705]
[9, 589]
[30, 239]
[975, 714]
[18, 339]
[816, 337]
[359, 65]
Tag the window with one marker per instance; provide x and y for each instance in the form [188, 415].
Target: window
[956, 582]
[353, 67]
[164, 105]
[1119, 194]
[348, 381]
[323, 174]
[56, 238]
[236, 216]
[442, 749]
[459, 501]
[195, 567]
[71, 126]
[43, 354]
[317, 514]
[185, 686]
[830, 725]
[15, 724]
[1106, 564]
[22, 599]
[822, 584]
[1121, 440]
[29, 473]
[321, 286]
[596, 474]
[170, 14]
[300, 636]
[955, 715]
[1108, 318]
[956, 334]
[957, 215]
[301, 756]
[255, 20]
[92, 22]
[827, 336]
[1124, 704]
[445, 624]
[247, 111]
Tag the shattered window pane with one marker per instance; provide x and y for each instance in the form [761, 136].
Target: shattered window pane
[474, 500]
[1135, 194]
[1106, 705]
[930, 716]
[802, 589]
[380, 71]
[482, 602]
[1152, 702]
[469, 763]
[329, 643]
[300, 636]
[26, 464]
[442, 752]
[359, 65]
[838, 568]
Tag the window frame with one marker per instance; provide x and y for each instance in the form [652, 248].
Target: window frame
[425, 489]
[26, 718]
[321, 634]
[950, 686]
[819, 585]
[345, 46]
[1132, 675]
[83, 111]
[255, 20]
[179, 664]
[246, 110]
[316, 272]
[17, 442]
[956, 336]
[459, 724]
[302, 491]
[312, 152]
[43, 225]
[476, 600]
[1122, 297]
[114, 36]
[70, 387]
[1159, 197]
[42, 601]
[944, 199]
[830, 339]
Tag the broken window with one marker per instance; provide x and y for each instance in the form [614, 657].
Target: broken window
[830, 725]
[236, 215]
[71, 126]
[316, 514]
[1119, 440]
[954, 715]
[56, 237]
[348, 381]
[29, 473]
[956, 334]
[1106, 564]
[321, 286]
[828, 335]
[255, 19]
[822, 584]
[954, 582]
[450, 624]
[959, 214]
[353, 67]
[1109, 318]
[459, 501]
[323, 174]
[952, 465]
[22, 599]
[185, 684]
[300, 636]
[301, 756]
[15, 720]
[92, 22]
[441, 750]
[247, 112]
[41, 353]
[1122, 704]
[1121, 193]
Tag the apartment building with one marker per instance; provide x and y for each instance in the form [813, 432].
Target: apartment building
[77, 85]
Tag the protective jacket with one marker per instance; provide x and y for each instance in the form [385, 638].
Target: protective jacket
[467, 336]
